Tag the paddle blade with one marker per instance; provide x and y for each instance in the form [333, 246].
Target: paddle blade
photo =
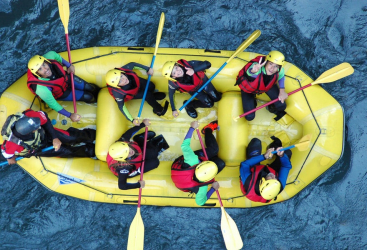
[304, 143]
[335, 73]
[64, 13]
[159, 32]
[231, 235]
[136, 233]
[246, 43]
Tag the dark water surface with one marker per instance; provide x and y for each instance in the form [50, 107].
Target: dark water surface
[315, 35]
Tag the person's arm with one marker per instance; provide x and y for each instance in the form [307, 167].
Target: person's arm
[171, 94]
[284, 170]
[53, 56]
[250, 73]
[200, 65]
[201, 196]
[189, 156]
[46, 95]
[122, 107]
[134, 65]
[246, 165]
[281, 79]
[122, 180]
[132, 131]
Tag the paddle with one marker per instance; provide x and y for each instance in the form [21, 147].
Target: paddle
[331, 75]
[19, 158]
[302, 145]
[242, 47]
[158, 39]
[136, 232]
[64, 16]
[231, 235]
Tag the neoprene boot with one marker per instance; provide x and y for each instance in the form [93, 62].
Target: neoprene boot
[159, 95]
[212, 126]
[271, 108]
[92, 88]
[163, 111]
[88, 97]
[215, 95]
[276, 143]
[279, 114]
[160, 143]
[190, 110]
[253, 148]
[140, 137]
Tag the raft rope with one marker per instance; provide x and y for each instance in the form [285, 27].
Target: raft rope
[308, 104]
[189, 196]
[142, 49]
[103, 192]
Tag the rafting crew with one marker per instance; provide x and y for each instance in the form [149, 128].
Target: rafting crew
[26, 133]
[124, 84]
[48, 80]
[192, 172]
[125, 157]
[262, 183]
[261, 75]
[188, 77]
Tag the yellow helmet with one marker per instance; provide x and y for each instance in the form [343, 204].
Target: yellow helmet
[167, 70]
[35, 63]
[269, 189]
[206, 171]
[275, 57]
[119, 150]
[113, 77]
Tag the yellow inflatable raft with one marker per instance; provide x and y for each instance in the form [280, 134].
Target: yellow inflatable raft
[311, 111]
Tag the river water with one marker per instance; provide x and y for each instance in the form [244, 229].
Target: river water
[315, 35]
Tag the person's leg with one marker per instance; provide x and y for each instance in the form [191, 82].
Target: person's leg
[278, 107]
[66, 151]
[219, 162]
[73, 135]
[140, 137]
[81, 84]
[68, 95]
[149, 98]
[211, 91]
[248, 103]
[203, 101]
[159, 143]
[211, 148]
[151, 164]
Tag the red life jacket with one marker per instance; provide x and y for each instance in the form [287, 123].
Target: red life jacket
[197, 79]
[251, 194]
[184, 178]
[257, 85]
[58, 85]
[129, 94]
[136, 163]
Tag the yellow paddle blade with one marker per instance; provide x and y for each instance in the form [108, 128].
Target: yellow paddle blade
[245, 44]
[159, 33]
[335, 73]
[232, 237]
[136, 233]
[304, 143]
[64, 13]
